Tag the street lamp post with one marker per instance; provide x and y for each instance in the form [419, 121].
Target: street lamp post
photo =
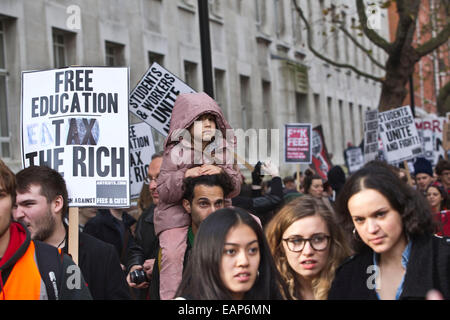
[205, 42]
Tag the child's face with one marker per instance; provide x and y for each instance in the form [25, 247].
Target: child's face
[204, 127]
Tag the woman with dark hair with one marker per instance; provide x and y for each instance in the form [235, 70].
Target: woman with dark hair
[230, 260]
[313, 184]
[307, 245]
[438, 199]
[397, 255]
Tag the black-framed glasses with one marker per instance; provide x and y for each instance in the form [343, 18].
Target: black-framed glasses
[318, 242]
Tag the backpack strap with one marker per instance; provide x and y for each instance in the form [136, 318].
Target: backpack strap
[50, 263]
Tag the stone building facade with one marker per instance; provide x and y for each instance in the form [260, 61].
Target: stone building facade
[264, 75]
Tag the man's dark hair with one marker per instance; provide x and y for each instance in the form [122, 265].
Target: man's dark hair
[51, 182]
[441, 166]
[288, 179]
[222, 180]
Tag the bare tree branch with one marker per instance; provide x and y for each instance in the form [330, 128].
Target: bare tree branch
[360, 46]
[435, 42]
[370, 33]
[326, 59]
[407, 14]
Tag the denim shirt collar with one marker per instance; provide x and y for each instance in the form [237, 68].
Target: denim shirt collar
[405, 258]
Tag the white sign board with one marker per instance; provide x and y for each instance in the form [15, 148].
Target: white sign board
[75, 120]
[142, 149]
[371, 145]
[153, 98]
[399, 135]
[354, 159]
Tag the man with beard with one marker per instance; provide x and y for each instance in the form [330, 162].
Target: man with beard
[26, 264]
[42, 205]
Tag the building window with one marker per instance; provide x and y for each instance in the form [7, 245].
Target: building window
[114, 54]
[344, 22]
[297, 28]
[280, 28]
[152, 13]
[244, 82]
[190, 74]
[260, 14]
[59, 50]
[317, 110]
[361, 120]
[301, 102]
[64, 48]
[155, 57]
[215, 8]
[324, 26]
[331, 122]
[352, 123]
[311, 25]
[354, 28]
[267, 104]
[219, 90]
[341, 123]
[4, 128]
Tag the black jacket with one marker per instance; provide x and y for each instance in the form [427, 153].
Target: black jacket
[100, 266]
[428, 268]
[147, 243]
[263, 206]
[105, 226]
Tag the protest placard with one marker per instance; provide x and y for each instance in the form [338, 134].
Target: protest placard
[75, 120]
[320, 159]
[354, 159]
[399, 135]
[432, 132]
[297, 143]
[426, 137]
[142, 149]
[153, 98]
[371, 145]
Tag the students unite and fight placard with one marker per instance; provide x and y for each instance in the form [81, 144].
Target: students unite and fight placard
[297, 143]
[153, 98]
[75, 120]
[398, 132]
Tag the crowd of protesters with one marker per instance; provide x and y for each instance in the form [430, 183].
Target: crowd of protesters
[201, 232]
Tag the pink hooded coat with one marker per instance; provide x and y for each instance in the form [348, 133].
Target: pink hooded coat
[169, 212]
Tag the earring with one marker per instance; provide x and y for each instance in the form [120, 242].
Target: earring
[356, 235]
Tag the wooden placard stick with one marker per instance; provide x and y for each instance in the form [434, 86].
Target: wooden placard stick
[246, 164]
[408, 174]
[73, 233]
[298, 177]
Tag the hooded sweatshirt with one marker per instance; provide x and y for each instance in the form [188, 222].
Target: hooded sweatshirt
[179, 156]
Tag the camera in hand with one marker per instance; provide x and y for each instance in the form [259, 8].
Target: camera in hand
[138, 276]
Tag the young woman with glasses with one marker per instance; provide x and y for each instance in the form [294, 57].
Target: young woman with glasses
[398, 257]
[307, 246]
